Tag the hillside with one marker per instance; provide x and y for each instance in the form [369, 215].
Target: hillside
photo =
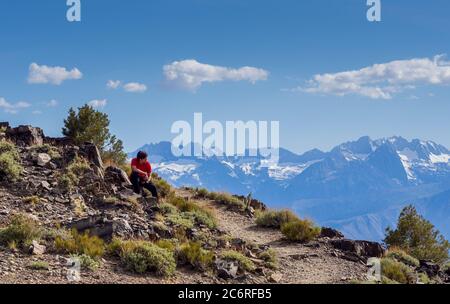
[66, 205]
[373, 179]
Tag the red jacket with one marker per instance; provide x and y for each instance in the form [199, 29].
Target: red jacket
[146, 167]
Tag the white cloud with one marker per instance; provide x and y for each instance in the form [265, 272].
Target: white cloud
[13, 108]
[42, 74]
[37, 112]
[135, 87]
[382, 81]
[52, 103]
[131, 87]
[191, 74]
[113, 84]
[98, 103]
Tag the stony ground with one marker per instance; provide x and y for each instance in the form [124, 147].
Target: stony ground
[315, 262]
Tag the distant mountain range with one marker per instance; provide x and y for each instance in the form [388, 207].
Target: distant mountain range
[358, 187]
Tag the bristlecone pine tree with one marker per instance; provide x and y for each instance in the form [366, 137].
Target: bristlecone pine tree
[418, 237]
[90, 125]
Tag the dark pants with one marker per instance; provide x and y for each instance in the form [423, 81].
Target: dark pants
[139, 183]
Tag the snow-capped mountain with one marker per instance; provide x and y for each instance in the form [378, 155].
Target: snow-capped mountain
[358, 187]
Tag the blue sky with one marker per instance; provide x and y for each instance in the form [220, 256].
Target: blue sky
[286, 43]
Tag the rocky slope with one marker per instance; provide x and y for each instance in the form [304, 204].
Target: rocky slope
[63, 187]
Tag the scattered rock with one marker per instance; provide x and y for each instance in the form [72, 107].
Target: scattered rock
[117, 177]
[362, 249]
[330, 233]
[92, 153]
[36, 248]
[43, 159]
[226, 269]
[45, 185]
[314, 245]
[275, 277]
[430, 268]
[238, 244]
[26, 136]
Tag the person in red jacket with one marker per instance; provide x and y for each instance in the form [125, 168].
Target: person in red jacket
[141, 174]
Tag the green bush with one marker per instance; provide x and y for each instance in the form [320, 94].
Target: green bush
[21, 231]
[39, 265]
[424, 279]
[227, 199]
[10, 148]
[221, 198]
[166, 208]
[269, 257]
[182, 204]
[418, 237]
[74, 171]
[190, 209]
[275, 219]
[53, 152]
[87, 262]
[202, 193]
[164, 188]
[401, 256]
[142, 257]
[300, 231]
[182, 220]
[170, 244]
[10, 168]
[243, 261]
[193, 254]
[396, 271]
[80, 244]
[447, 266]
[387, 281]
[204, 217]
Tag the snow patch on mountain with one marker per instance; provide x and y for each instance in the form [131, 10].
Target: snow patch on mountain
[175, 171]
[442, 158]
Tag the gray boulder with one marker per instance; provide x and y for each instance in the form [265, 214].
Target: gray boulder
[226, 269]
[364, 249]
[26, 136]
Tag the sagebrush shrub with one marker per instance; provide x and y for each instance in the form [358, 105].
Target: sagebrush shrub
[275, 218]
[227, 199]
[269, 257]
[142, 257]
[87, 262]
[80, 244]
[401, 256]
[164, 188]
[73, 172]
[10, 167]
[300, 231]
[21, 231]
[193, 254]
[243, 261]
[39, 265]
[204, 217]
[396, 271]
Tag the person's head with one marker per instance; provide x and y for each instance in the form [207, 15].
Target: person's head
[142, 156]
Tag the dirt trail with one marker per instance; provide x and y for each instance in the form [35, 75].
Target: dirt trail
[312, 263]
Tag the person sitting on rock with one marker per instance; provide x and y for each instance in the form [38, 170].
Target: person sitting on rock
[141, 174]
